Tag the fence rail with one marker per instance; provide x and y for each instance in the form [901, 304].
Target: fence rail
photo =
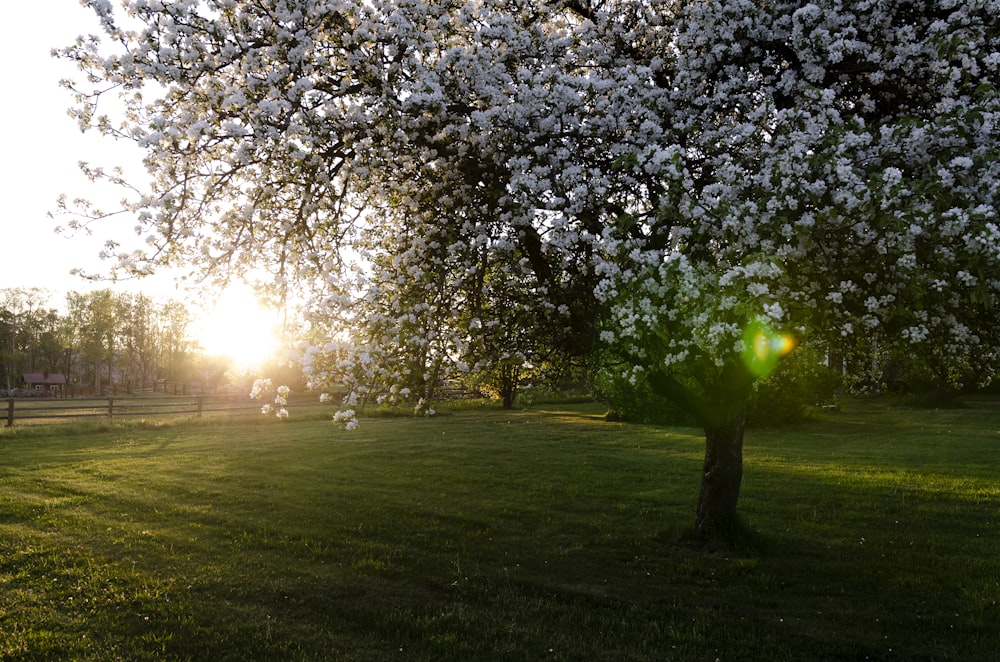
[40, 412]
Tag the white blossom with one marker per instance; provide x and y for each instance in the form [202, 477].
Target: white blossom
[446, 178]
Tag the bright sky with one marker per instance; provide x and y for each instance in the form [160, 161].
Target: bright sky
[41, 148]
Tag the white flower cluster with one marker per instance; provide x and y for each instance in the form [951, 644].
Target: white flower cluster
[262, 387]
[445, 176]
[347, 418]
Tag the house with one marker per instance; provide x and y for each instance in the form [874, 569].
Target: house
[52, 383]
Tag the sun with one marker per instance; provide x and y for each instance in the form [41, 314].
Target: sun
[240, 328]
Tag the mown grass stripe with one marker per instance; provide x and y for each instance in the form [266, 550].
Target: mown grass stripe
[492, 535]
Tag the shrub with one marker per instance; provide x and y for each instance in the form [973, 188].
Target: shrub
[636, 402]
[800, 382]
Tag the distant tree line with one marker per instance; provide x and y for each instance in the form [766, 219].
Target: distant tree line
[102, 341]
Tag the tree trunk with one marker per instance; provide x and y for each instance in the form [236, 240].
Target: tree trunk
[509, 377]
[721, 476]
[723, 417]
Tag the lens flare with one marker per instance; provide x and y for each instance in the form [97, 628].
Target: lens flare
[764, 347]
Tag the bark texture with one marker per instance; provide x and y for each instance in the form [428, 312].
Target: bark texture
[721, 477]
[721, 410]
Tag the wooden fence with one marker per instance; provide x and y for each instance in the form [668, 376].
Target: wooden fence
[45, 411]
[36, 411]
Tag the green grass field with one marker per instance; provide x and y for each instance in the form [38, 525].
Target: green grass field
[545, 534]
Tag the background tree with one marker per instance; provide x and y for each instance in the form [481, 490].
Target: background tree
[26, 327]
[176, 350]
[698, 186]
[139, 329]
[509, 345]
[96, 316]
[48, 352]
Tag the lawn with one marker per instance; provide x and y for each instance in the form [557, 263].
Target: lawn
[544, 534]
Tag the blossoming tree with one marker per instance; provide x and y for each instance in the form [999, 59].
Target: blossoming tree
[695, 185]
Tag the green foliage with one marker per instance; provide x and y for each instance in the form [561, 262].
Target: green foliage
[798, 384]
[872, 369]
[801, 382]
[541, 394]
[500, 379]
[633, 401]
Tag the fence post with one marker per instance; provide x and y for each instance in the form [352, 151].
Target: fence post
[10, 413]
[111, 408]
[201, 400]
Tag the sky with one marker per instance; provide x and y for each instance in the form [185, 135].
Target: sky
[42, 146]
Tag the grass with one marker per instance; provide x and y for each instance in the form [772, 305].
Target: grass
[542, 534]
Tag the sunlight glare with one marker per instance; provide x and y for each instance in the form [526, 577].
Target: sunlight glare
[240, 328]
[764, 347]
